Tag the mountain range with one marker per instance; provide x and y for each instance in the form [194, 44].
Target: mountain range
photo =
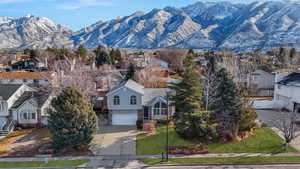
[203, 25]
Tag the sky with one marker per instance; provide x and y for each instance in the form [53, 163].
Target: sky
[77, 14]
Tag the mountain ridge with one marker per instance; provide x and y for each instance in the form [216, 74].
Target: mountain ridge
[203, 25]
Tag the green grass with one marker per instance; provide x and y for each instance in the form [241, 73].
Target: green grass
[34, 164]
[153, 145]
[264, 140]
[226, 160]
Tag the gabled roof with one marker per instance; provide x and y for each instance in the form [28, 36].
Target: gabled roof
[129, 84]
[293, 79]
[39, 97]
[152, 93]
[7, 90]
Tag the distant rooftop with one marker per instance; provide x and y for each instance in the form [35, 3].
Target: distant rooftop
[293, 79]
[24, 75]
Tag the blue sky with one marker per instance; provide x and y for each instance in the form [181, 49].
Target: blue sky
[77, 14]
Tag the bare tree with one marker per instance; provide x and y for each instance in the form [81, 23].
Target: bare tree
[150, 77]
[173, 56]
[285, 122]
[69, 73]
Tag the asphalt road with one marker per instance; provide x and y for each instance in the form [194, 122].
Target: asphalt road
[284, 166]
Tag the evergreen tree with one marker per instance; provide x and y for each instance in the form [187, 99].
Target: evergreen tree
[118, 56]
[130, 72]
[191, 121]
[72, 121]
[82, 52]
[189, 90]
[226, 104]
[102, 56]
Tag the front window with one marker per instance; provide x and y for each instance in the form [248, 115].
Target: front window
[28, 115]
[116, 100]
[133, 100]
[160, 108]
[32, 115]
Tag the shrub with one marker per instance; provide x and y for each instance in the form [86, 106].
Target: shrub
[248, 117]
[139, 124]
[198, 127]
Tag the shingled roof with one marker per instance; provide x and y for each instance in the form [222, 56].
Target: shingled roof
[131, 85]
[293, 79]
[7, 90]
[39, 97]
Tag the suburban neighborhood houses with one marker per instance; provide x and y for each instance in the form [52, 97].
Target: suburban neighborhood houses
[211, 84]
[127, 107]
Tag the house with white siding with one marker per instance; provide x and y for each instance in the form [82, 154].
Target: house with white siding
[287, 90]
[23, 106]
[131, 101]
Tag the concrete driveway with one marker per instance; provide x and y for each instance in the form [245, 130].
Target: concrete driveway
[115, 140]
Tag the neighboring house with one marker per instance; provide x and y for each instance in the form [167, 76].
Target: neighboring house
[23, 106]
[33, 64]
[155, 62]
[287, 90]
[130, 101]
[36, 79]
[262, 83]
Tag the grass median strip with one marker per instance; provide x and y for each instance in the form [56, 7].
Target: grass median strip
[34, 164]
[226, 160]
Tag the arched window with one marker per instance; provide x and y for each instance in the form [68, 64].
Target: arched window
[133, 100]
[116, 100]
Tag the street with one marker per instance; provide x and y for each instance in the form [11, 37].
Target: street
[285, 166]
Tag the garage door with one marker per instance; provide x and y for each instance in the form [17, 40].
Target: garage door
[124, 118]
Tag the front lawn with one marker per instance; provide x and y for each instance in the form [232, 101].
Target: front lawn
[264, 140]
[225, 160]
[35, 164]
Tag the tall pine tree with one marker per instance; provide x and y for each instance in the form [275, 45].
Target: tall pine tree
[189, 91]
[191, 121]
[72, 121]
[226, 105]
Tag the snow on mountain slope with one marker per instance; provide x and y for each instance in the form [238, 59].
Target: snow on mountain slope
[32, 32]
[203, 25]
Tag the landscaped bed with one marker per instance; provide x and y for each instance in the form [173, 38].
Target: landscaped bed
[34, 164]
[264, 140]
[29, 142]
[226, 160]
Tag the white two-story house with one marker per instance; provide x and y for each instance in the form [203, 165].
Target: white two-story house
[287, 90]
[130, 101]
[23, 105]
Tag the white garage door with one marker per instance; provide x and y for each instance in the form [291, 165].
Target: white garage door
[124, 118]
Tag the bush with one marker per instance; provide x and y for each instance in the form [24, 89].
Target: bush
[198, 127]
[139, 124]
[163, 121]
[248, 117]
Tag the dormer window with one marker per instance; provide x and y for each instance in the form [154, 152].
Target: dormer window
[133, 100]
[116, 100]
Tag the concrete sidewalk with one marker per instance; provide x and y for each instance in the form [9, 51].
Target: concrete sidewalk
[137, 157]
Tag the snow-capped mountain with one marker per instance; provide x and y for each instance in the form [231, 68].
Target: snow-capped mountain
[33, 32]
[209, 25]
